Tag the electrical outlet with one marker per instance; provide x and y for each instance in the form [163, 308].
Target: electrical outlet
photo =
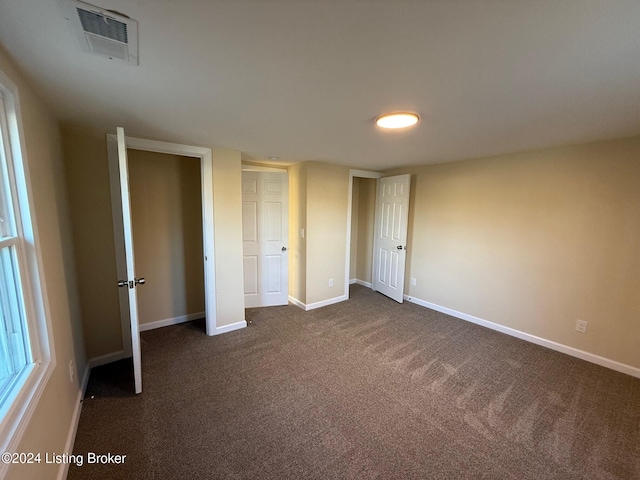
[581, 326]
[72, 371]
[331, 282]
[302, 233]
[413, 282]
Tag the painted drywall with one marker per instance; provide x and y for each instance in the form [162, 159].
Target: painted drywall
[534, 242]
[327, 204]
[52, 417]
[88, 185]
[166, 209]
[297, 224]
[362, 222]
[87, 170]
[366, 221]
[227, 214]
[355, 210]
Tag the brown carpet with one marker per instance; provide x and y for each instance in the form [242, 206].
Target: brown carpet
[363, 389]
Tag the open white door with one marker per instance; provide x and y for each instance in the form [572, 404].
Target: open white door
[131, 282]
[390, 236]
[265, 237]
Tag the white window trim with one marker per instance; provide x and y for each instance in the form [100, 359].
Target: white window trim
[36, 302]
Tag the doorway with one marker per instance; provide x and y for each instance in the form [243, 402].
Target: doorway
[166, 206]
[204, 155]
[360, 224]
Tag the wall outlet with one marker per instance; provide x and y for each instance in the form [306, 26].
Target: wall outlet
[72, 371]
[302, 233]
[581, 326]
[331, 282]
[413, 282]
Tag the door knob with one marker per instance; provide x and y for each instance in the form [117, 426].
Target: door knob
[123, 283]
[284, 249]
[140, 281]
[399, 247]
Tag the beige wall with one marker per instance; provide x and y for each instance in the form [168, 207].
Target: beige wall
[89, 193]
[355, 210]
[227, 213]
[52, 417]
[534, 242]
[327, 192]
[366, 220]
[318, 204]
[166, 209]
[362, 221]
[87, 169]
[297, 221]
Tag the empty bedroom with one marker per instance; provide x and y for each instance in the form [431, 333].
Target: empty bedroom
[320, 239]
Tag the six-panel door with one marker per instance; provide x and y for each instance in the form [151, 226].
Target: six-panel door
[265, 232]
[392, 206]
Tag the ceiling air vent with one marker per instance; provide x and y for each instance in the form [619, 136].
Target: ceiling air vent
[104, 32]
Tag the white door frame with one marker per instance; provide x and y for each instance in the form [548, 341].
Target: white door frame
[247, 167]
[206, 178]
[353, 174]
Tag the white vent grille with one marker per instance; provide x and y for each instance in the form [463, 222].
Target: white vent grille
[103, 26]
[104, 46]
[103, 32]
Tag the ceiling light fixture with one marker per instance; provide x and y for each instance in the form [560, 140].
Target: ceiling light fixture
[274, 158]
[397, 120]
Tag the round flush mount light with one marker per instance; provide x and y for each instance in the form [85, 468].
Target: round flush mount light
[397, 120]
[274, 158]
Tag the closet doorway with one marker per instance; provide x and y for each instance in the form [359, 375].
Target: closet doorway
[166, 213]
[120, 191]
[360, 225]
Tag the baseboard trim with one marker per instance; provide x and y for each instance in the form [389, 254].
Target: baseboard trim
[352, 281]
[104, 359]
[297, 302]
[171, 321]
[231, 327]
[363, 283]
[75, 420]
[322, 303]
[559, 347]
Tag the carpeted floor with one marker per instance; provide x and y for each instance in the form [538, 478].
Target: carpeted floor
[364, 389]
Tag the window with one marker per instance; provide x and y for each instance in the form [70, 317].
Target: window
[15, 349]
[25, 354]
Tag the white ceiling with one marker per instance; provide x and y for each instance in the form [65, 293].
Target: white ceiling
[305, 79]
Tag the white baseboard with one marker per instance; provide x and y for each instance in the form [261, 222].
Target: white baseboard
[297, 302]
[352, 281]
[363, 283]
[323, 303]
[75, 420]
[104, 359]
[171, 321]
[559, 347]
[231, 327]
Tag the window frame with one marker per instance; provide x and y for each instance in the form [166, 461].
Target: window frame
[31, 382]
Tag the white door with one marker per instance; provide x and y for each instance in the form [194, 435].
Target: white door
[265, 236]
[390, 235]
[131, 282]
